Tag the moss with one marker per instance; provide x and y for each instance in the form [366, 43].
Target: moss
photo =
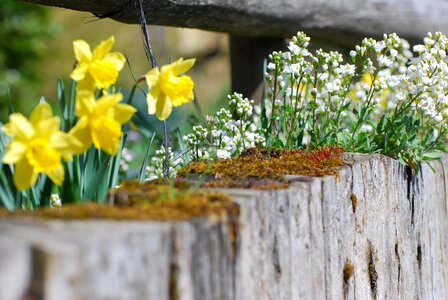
[347, 272]
[354, 200]
[270, 165]
[161, 201]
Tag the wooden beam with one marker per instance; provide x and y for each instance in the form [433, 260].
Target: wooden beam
[334, 21]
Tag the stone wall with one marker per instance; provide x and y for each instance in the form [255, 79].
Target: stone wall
[376, 231]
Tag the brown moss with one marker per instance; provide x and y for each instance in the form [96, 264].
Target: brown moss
[347, 272]
[354, 200]
[270, 165]
[248, 183]
[148, 201]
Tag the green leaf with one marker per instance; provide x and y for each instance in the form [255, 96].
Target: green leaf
[115, 165]
[435, 155]
[94, 185]
[142, 172]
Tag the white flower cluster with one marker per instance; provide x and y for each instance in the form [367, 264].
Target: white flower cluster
[55, 201]
[427, 78]
[154, 169]
[225, 135]
[126, 157]
[323, 95]
[421, 80]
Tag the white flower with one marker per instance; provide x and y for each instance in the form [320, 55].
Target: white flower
[419, 48]
[222, 153]
[55, 200]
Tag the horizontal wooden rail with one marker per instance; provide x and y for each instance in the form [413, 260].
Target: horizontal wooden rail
[337, 21]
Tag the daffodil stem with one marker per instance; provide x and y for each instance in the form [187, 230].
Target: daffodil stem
[148, 48]
[166, 145]
[152, 58]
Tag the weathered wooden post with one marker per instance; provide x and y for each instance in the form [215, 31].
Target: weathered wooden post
[375, 231]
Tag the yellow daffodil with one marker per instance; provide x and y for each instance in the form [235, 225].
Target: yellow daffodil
[367, 79]
[100, 121]
[37, 146]
[168, 89]
[98, 69]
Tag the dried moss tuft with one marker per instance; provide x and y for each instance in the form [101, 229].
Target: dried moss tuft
[161, 201]
[354, 200]
[347, 272]
[269, 165]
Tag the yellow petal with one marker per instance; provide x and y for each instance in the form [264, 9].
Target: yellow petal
[85, 103]
[82, 51]
[163, 107]
[24, 175]
[40, 113]
[116, 58]
[104, 104]
[87, 84]
[57, 175]
[79, 73]
[151, 100]
[352, 95]
[367, 78]
[46, 128]
[179, 66]
[122, 112]
[65, 143]
[101, 50]
[184, 91]
[14, 152]
[81, 133]
[106, 133]
[104, 73]
[19, 128]
[152, 77]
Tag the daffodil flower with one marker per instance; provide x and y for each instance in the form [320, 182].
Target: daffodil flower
[37, 146]
[100, 121]
[368, 79]
[98, 69]
[168, 89]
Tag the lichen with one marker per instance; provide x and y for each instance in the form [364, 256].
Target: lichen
[269, 165]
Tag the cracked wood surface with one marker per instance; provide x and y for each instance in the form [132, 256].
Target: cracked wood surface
[337, 21]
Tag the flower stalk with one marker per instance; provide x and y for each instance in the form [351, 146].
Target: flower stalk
[150, 55]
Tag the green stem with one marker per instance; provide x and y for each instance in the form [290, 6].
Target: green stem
[371, 93]
[166, 144]
[274, 96]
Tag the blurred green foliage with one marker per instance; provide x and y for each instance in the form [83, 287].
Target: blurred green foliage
[25, 31]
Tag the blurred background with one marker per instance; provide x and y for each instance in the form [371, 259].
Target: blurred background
[36, 49]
